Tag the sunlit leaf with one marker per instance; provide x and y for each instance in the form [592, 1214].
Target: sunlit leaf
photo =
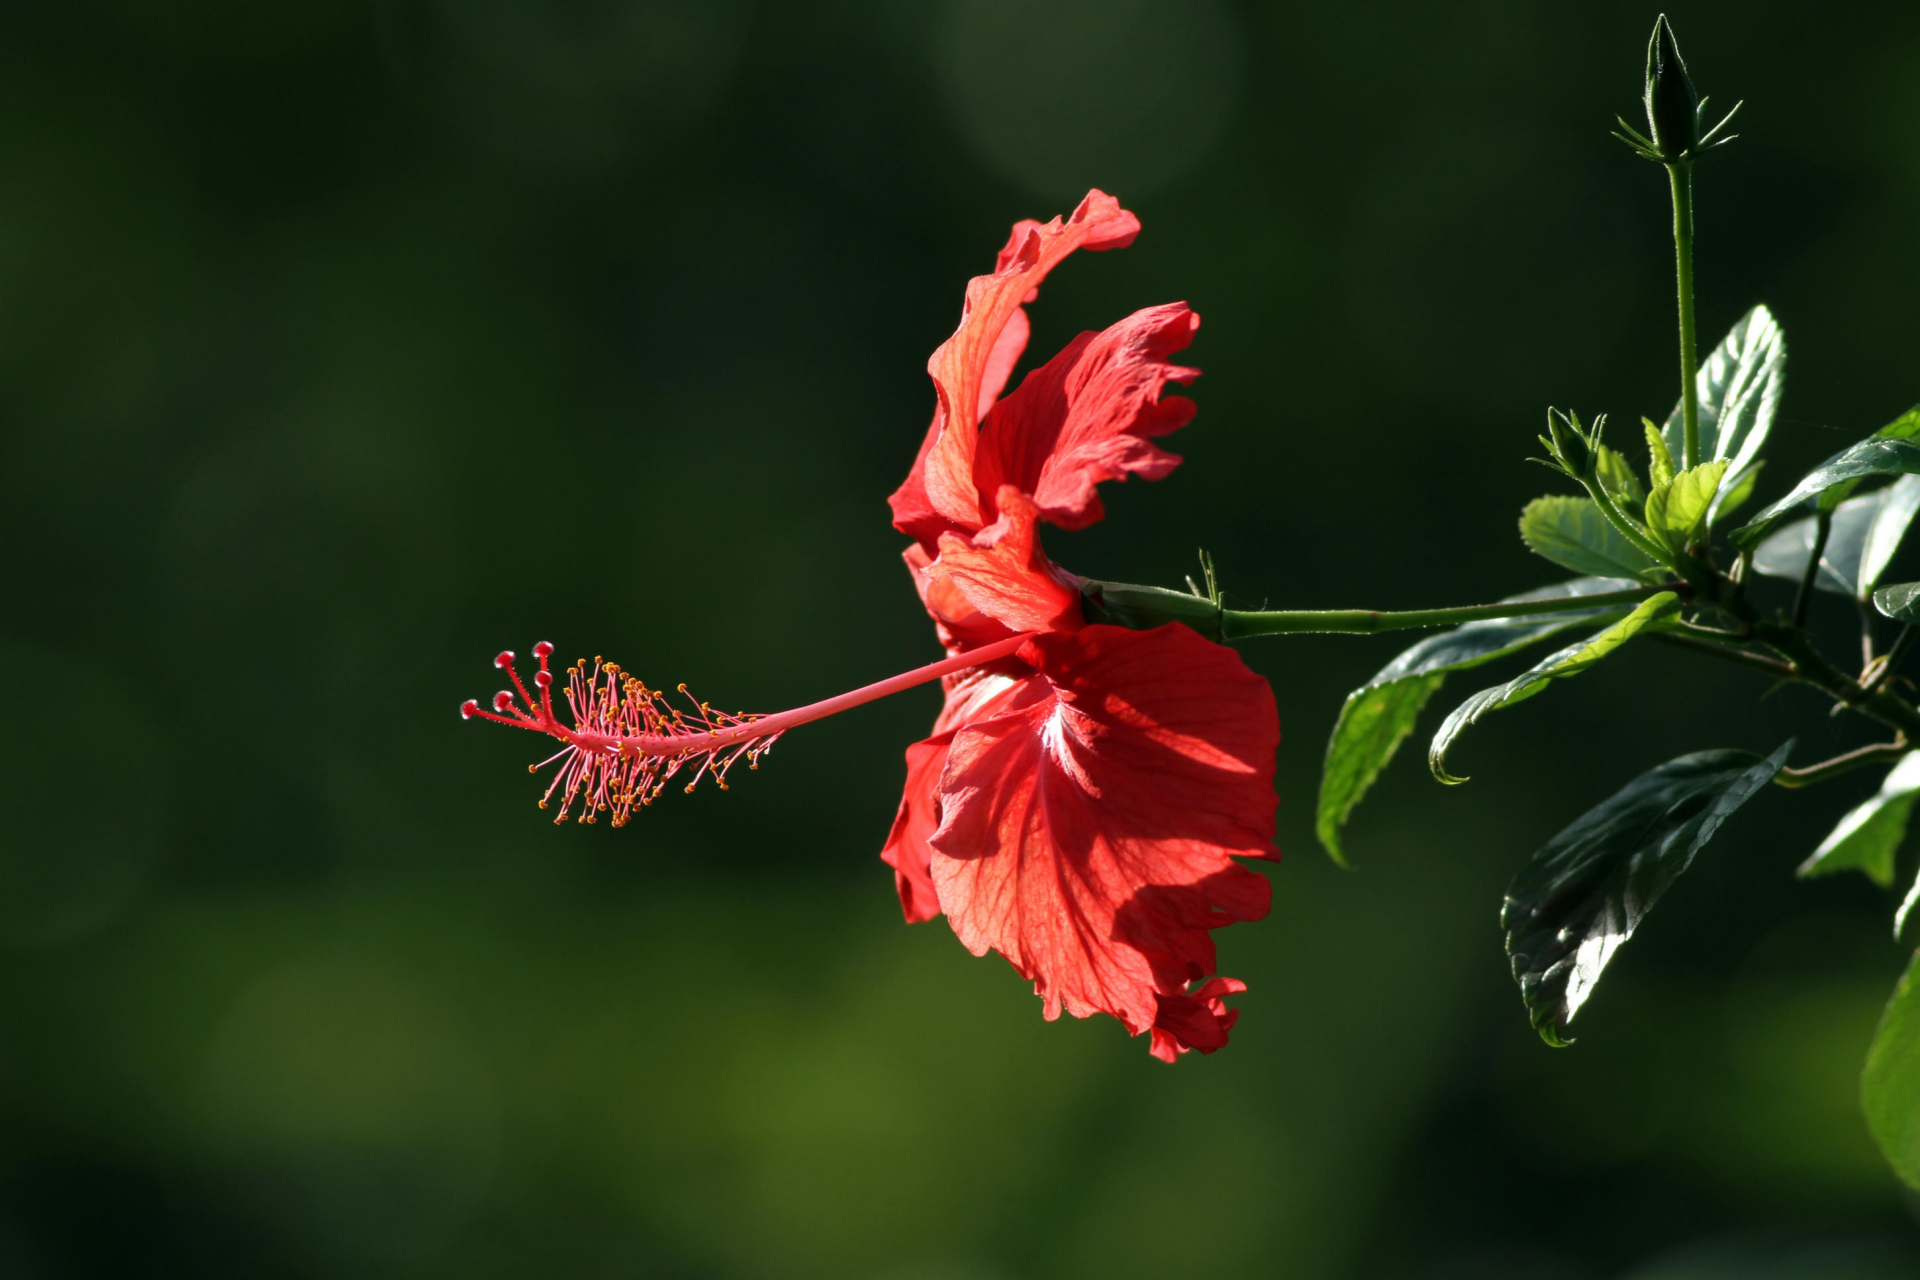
[1869, 836]
[1381, 713]
[1655, 612]
[1739, 388]
[1676, 508]
[1660, 466]
[1585, 892]
[1784, 553]
[1871, 457]
[1901, 601]
[1890, 1084]
[1573, 533]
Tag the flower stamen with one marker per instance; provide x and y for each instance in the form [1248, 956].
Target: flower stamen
[627, 740]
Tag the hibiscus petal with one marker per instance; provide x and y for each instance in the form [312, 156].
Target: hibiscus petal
[970, 695]
[1089, 836]
[1002, 573]
[1199, 1020]
[970, 368]
[1089, 415]
[907, 850]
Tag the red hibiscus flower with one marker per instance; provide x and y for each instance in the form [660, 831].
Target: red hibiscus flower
[1087, 788]
[1080, 805]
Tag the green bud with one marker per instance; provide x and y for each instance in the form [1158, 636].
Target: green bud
[1125, 604]
[1569, 445]
[1673, 105]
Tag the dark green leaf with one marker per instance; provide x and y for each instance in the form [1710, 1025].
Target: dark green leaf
[1585, 892]
[1901, 601]
[1899, 504]
[1381, 713]
[1784, 554]
[1871, 457]
[1739, 388]
[1656, 612]
[1870, 835]
[1890, 1084]
[1573, 533]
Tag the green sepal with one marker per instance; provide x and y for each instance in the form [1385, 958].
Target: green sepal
[1869, 836]
[1616, 476]
[1890, 1082]
[1380, 714]
[1584, 892]
[1127, 604]
[1576, 535]
[1656, 612]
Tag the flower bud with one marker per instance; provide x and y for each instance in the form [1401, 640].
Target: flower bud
[1126, 604]
[1673, 105]
[1569, 445]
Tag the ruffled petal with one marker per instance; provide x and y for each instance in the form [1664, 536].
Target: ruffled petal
[1002, 573]
[1090, 414]
[1198, 1020]
[1090, 835]
[970, 368]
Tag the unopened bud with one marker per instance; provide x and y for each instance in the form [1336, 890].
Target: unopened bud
[1673, 105]
[1569, 446]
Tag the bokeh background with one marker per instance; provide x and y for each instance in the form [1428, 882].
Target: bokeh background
[343, 344]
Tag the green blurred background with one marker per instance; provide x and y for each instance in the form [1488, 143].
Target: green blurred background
[344, 344]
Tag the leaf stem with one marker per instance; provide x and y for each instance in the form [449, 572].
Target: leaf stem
[1680, 174]
[1729, 653]
[1236, 624]
[1877, 753]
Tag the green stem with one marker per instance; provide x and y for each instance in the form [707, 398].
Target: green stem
[1236, 624]
[1624, 525]
[1681, 175]
[1803, 598]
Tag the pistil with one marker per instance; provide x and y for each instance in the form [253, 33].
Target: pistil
[627, 739]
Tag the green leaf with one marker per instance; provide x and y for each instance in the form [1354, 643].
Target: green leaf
[1873, 456]
[1899, 504]
[1890, 1083]
[1870, 835]
[1660, 466]
[1586, 890]
[1573, 533]
[1381, 713]
[1901, 601]
[1738, 491]
[1739, 388]
[1616, 476]
[1784, 554]
[1656, 611]
[1676, 508]
[1373, 722]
